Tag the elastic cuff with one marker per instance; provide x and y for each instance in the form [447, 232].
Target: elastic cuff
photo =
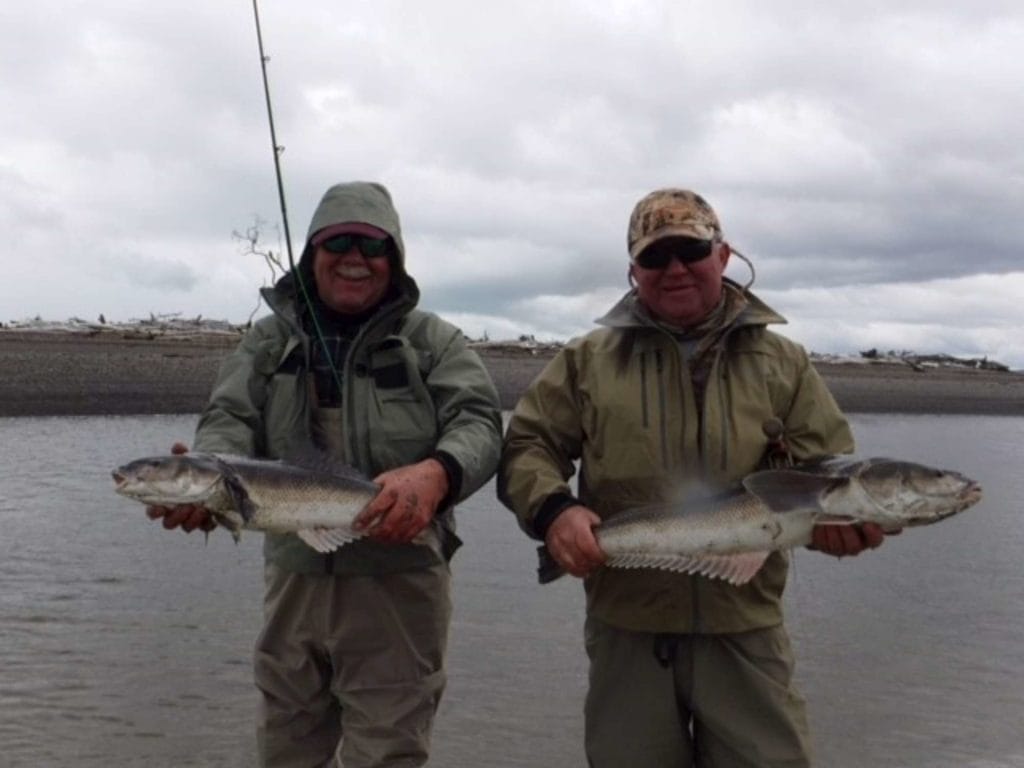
[552, 507]
[453, 469]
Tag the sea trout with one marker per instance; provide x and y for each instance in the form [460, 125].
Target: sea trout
[730, 537]
[317, 499]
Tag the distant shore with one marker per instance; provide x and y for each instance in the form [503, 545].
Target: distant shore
[75, 374]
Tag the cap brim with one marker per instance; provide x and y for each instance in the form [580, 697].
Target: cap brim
[348, 228]
[700, 233]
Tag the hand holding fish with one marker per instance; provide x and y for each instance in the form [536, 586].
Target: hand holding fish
[846, 540]
[572, 543]
[406, 504]
[188, 517]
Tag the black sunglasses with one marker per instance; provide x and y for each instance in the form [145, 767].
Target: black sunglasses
[370, 247]
[687, 250]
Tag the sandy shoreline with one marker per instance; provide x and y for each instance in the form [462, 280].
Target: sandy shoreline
[60, 374]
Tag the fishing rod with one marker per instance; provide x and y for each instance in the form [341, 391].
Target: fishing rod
[277, 149]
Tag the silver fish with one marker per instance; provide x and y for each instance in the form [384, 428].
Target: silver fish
[730, 537]
[316, 499]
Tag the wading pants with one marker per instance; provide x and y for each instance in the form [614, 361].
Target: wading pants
[351, 668]
[682, 701]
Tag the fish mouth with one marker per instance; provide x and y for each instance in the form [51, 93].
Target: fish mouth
[968, 497]
[971, 495]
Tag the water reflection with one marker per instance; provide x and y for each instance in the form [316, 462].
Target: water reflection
[126, 645]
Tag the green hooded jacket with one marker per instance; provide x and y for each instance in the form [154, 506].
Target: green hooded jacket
[412, 389]
[622, 402]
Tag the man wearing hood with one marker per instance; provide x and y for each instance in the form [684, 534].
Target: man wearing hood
[350, 660]
[683, 388]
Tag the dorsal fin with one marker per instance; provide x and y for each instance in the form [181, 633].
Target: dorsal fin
[314, 460]
[783, 490]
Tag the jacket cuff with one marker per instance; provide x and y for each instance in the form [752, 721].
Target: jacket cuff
[552, 507]
[453, 469]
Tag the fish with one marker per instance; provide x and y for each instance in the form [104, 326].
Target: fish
[313, 496]
[730, 536]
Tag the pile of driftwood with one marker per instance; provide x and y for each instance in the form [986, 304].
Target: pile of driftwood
[169, 326]
[924, 362]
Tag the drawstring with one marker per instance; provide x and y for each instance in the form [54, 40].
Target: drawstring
[750, 266]
[666, 648]
[777, 454]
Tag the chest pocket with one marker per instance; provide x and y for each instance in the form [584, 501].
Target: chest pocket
[405, 415]
[277, 391]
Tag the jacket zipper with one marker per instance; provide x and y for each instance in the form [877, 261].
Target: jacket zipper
[660, 369]
[645, 416]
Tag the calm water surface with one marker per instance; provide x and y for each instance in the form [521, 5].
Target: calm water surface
[122, 644]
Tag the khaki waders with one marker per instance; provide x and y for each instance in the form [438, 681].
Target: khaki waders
[684, 701]
[351, 659]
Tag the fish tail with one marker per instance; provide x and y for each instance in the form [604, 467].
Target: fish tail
[548, 568]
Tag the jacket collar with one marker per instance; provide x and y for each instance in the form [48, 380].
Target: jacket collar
[749, 310]
[286, 300]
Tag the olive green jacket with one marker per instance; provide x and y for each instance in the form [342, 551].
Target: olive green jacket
[622, 402]
[412, 389]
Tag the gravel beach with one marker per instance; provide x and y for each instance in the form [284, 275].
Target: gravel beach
[48, 373]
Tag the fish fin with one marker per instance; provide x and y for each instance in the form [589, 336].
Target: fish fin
[326, 540]
[783, 490]
[735, 569]
[231, 521]
[548, 568]
[315, 460]
[239, 496]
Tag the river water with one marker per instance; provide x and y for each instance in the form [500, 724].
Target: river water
[122, 644]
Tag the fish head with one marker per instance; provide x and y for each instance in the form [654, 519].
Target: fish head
[167, 480]
[909, 494]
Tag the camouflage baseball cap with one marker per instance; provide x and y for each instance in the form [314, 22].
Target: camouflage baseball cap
[667, 212]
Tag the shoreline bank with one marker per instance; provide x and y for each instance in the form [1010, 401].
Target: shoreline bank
[74, 374]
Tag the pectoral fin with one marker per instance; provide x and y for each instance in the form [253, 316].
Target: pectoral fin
[326, 540]
[239, 496]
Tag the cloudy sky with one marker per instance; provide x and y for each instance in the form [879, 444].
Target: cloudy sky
[867, 156]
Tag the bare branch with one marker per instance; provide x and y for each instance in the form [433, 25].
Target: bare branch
[250, 242]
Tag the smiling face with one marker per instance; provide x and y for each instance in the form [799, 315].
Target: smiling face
[350, 282]
[682, 294]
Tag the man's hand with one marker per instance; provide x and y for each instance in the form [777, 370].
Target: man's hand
[188, 517]
[406, 503]
[571, 541]
[847, 540]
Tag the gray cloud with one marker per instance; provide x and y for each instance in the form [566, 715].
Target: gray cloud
[849, 147]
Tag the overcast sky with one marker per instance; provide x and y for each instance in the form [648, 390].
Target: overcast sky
[867, 156]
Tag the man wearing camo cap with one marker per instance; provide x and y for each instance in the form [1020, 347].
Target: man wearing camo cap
[682, 388]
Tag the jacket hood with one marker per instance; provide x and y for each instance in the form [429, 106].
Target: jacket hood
[356, 201]
[626, 312]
